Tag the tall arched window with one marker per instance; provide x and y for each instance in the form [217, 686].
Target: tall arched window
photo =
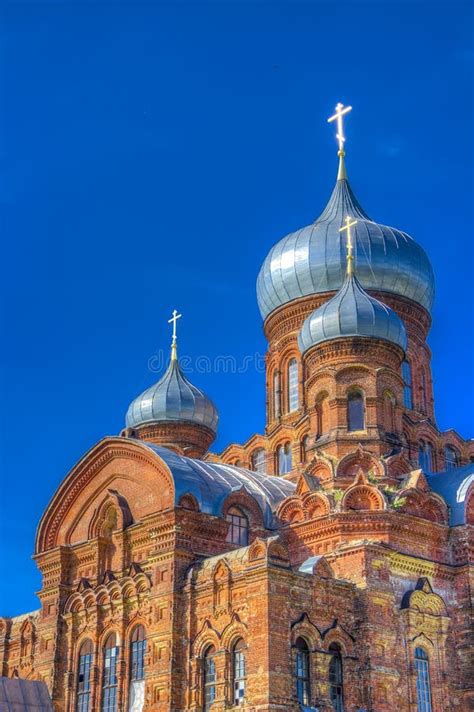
[276, 395]
[322, 415]
[84, 677]
[336, 681]
[425, 456]
[259, 460]
[137, 669]
[293, 399]
[284, 459]
[238, 532]
[407, 387]
[450, 457]
[109, 674]
[423, 685]
[302, 683]
[209, 678]
[238, 672]
[355, 411]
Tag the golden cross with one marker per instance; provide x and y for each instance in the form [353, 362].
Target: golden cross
[349, 245]
[173, 320]
[340, 111]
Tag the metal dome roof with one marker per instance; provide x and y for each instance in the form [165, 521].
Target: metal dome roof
[312, 260]
[212, 482]
[352, 312]
[172, 398]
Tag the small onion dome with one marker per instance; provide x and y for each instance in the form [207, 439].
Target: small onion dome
[311, 260]
[352, 312]
[173, 398]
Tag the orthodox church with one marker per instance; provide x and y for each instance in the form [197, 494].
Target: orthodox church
[325, 564]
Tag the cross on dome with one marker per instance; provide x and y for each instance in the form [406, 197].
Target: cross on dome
[341, 111]
[349, 245]
[174, 320]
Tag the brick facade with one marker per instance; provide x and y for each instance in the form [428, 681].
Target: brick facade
[363, 584]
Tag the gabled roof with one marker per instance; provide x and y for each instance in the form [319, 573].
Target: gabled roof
[453, 485]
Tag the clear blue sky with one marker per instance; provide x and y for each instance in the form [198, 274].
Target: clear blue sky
[151, 155]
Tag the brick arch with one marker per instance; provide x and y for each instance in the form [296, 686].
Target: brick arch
[189, 501]
[362, 498]
[321, 467]
[339, 635]
[257, 550]
[113, 502]
[234, 631]
[306, 629]
[315, 504]
[244, 501]
[398, 465]
[113, 464]
[206, 637]
[291, 510]
[424, 505]
[360, 461]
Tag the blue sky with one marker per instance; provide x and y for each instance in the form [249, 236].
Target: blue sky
[150, 156]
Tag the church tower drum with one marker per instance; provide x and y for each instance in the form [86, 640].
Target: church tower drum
[306, 268]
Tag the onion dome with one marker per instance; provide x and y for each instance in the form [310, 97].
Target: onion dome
[173, 398]
[311, 260]
[351, 312]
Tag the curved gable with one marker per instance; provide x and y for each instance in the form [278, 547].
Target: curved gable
[126, 466]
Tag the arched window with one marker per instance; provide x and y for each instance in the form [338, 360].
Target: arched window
[423, 686]
[425, 456]
[84, 677]
[109, 674]
[301, 673]
[304, 448]
[450, 457]
[259, 460]
[293, 400]
[322, 415]
[238, 532]
[355, 411]
[137, 669]
[284, 459]
[276, 395]
[336, 681]
[238, 671]
[209, 678]
[407, 387]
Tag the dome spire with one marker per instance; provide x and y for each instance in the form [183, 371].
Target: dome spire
[341, 110]
[174, 348]
[349, 246]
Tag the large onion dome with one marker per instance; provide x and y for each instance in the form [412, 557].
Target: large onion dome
[352, 312]
[173, 398]
[312, 260]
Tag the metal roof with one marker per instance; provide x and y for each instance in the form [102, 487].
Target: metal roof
[453, 485]
[18, 695]
[173, 398]
[312, 260]
[211, 483]
[352, 312]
